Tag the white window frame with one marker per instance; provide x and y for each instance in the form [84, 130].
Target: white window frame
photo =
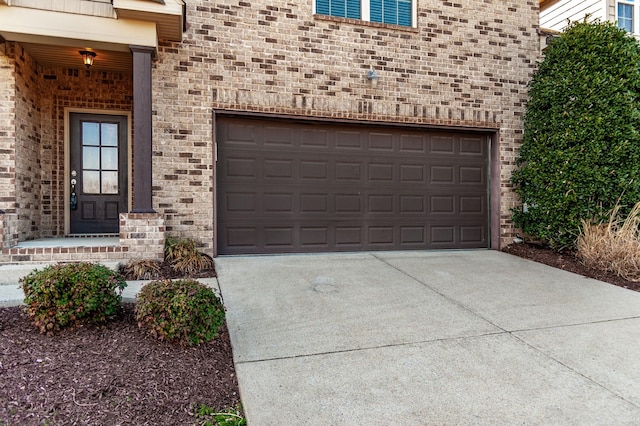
[365, 11]
[635, 4]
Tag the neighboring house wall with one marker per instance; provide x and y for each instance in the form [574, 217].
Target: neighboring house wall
[557, 15]
[464, 65]
[84, 7]
[28, 144]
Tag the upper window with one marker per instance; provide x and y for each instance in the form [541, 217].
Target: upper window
[626, 14]
[397, 12]
[391, 12]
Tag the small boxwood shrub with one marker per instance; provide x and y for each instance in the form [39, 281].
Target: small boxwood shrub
[181, 311]
[60, 296]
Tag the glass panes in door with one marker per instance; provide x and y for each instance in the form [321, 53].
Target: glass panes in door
[99, 157]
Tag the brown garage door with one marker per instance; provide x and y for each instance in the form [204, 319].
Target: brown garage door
[292, 186]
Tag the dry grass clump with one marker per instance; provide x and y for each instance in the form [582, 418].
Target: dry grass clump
[613, 246]
[143, 269]
[184, 257]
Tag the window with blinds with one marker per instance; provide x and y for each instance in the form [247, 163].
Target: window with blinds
[342, 8]
[396, 12]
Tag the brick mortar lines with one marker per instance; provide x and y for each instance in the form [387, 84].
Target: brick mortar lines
[465, 65]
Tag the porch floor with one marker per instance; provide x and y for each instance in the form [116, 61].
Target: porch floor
[92, 249]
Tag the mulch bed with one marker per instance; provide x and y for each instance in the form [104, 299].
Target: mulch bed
[118, 374]
[109, 374]
[568, 261]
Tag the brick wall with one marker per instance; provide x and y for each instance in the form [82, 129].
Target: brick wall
[467, 64]
[27, 144]
[32, 143]
[71, 88]
[7, 130]
[142, 234]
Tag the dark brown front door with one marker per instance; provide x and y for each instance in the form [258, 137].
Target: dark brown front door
[98, 172]
[293, 186]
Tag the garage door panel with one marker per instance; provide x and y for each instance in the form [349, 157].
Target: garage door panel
[240, 167]
[348, 203]
[279, 136]
[278, 236]
[471, 234]
[240, 202]
[314, 138]
[323, 187]
[381, 236]
[314, 203]
[442, 205]
[412, 144]
[278, 203]
[240, 237]
[348, 140]
[472, 175]
[473, 146]
[239, 133]
[278, 168]
[472, 205]
[381, 172]
[314, 236]
[381, 142]
[443, 174]
[441, 145]
[412, 173]
[348, 171]
[413, 204]
[380, 204]
[412, 235]
[314, 169]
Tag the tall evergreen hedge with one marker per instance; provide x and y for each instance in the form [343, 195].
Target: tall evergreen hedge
[581, 150]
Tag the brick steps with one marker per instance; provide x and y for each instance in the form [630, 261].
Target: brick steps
[111, 253]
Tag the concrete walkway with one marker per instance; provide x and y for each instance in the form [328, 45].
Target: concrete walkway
[416, 338]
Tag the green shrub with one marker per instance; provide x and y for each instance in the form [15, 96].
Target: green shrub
[182, 311]
[581, 146]
[65, 295]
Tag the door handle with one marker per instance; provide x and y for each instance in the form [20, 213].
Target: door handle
[73, 202]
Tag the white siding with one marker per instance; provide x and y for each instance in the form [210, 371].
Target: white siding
[557, 16]
[83, 7]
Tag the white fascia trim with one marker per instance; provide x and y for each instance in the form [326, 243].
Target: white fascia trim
[169, 7]
[34, 25]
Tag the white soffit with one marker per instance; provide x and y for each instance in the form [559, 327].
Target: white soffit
[168, 15]
[66, 29]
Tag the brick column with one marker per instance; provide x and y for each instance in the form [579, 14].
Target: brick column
[143, 234]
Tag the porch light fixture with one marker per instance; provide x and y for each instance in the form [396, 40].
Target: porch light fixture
[373, 77]
[87, 58]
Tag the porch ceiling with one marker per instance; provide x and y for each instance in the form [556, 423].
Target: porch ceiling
[55, 38]
[69, 57]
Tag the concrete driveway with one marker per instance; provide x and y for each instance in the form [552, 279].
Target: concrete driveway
[413, 338]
